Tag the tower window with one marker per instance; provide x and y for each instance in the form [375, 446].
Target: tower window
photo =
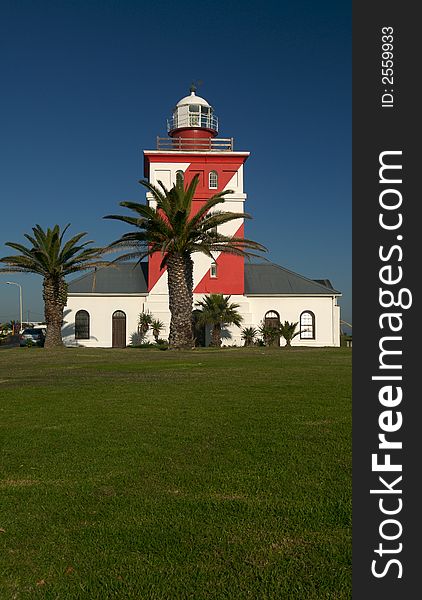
[205, 120]
[194, 115]
[200, 116]
[213, 270]
[213, 180]
[82, 325]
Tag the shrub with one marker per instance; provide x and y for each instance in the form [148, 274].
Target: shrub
[136, 339]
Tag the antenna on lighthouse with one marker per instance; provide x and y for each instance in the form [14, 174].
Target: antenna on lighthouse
[194, 86]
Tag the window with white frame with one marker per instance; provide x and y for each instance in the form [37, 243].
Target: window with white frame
[213, 270]
[194, 115]
[205, 116]
[82, 325]
[213, 180]
[307, 325]
[200, 116]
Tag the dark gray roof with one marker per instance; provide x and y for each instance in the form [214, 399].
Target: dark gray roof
[271, 279]
[260, 278]
[120, 278]
[325, 282]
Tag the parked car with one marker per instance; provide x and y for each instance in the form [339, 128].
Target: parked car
[36, 336]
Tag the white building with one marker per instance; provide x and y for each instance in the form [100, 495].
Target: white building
[103, 307]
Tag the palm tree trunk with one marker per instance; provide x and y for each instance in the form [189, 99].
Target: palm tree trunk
[216, 335]
[55, 297]
[180, 285]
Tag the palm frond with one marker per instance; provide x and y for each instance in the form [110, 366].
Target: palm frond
[208, 205]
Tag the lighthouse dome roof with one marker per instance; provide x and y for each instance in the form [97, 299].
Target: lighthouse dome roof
[192, 99]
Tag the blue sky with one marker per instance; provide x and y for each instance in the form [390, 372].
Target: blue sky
[88, 85]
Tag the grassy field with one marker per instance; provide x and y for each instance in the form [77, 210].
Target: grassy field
[146, 475]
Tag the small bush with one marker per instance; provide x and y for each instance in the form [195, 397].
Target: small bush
[136, 339]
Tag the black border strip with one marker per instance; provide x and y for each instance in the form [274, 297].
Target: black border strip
[385, 119]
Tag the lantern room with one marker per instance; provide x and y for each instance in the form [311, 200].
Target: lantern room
[192, 112]
[193, 127]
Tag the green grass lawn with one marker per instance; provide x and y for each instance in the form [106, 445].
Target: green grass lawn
[141, 474]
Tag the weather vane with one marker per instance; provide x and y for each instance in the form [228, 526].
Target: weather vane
[194, 86]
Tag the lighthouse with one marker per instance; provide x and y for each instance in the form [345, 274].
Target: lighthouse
[192, 147]
[104, 306]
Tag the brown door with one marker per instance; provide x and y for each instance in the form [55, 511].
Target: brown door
[119, 329]
[272, 319]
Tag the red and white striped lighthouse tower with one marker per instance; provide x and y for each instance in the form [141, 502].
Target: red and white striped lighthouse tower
[192, 147]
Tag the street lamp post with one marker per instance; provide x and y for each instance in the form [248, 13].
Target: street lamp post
[20, 299]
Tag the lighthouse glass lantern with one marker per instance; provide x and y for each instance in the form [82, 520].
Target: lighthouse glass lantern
[193, 123]
[192, 112]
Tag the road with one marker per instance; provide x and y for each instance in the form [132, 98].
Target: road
[13, 342]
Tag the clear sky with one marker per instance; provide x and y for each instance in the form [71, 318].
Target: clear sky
[87, 85]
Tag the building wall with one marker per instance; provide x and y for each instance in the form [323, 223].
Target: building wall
[253, 310]
[101, 309]
[163, 166]
[325, 309]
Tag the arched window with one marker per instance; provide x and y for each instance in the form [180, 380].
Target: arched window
[272, 319]
[307, 325]
[213, 180]
[82, 325]
[213, 270]
[180, 172]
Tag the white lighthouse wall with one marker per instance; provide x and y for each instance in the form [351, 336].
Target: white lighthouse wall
[236, 182]
[165, 172]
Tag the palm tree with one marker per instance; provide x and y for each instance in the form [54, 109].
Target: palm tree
[52, 258]
[144, 323]
[156, 327]
[14, 327]
[172, 229]
[218, 311]
[287, 330]
[248, 335]
[269, 333]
